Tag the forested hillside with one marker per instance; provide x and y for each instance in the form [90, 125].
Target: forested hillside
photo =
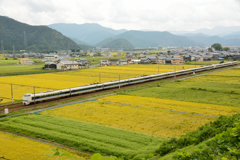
[37, 37]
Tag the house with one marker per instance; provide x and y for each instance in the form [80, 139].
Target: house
[236, 56]
[130, 55]
[50, 56]
[187, 57]
[83, 62]
[207, 57]
[26, 61]
[142, 56]
[168, 61]
[39, 56]
[123, 62]
[135, 61]
[215, 55]
[153, 59]
[25, 55]
[177, 61]
[50, 65]
[161, 60]
[196, 57]
[109, 62]
[145, 61]
[67, 65]
[62, 60]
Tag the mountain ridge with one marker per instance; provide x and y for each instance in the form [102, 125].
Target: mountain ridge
[37, 37]
[90, 33]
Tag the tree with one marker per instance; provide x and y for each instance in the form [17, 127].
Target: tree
[210, 50]
[226, 48]
[217, 46]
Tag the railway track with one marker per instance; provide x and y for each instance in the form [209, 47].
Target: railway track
[18, 106]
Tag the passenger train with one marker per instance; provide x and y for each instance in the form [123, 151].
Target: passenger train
[38, 97]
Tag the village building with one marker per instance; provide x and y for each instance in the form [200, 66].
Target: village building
[26, 61]
[50, 56]
[50, 65]
[109, 62]
[161, 60]
[83, 62]
[177, 61]
[67, 65]
[123, 62]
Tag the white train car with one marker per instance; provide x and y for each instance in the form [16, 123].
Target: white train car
[38, 97]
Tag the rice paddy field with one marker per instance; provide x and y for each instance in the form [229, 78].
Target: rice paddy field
[82, 135]
[30, 149]
[134, 123]
[23, 84]
[220, 88]
[150, 120]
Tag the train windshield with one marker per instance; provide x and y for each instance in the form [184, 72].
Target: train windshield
[26, 95]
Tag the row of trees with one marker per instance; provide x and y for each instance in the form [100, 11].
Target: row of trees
[218, 47]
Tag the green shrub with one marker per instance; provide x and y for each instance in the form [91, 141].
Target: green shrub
[223, 146]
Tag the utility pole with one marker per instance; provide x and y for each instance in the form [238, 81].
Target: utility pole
[12, 93]
[119, 81]
[99, 77]
[174, 73]
[34, 97]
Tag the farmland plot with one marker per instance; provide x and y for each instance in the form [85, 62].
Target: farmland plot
[55, 81]
[85, 136]
[26, 149]
[172, 105]
[220, 88]
[150, 120]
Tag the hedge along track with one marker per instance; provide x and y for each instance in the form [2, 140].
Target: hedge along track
[49, 103]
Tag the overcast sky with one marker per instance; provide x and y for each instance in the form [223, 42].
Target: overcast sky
[157, 15]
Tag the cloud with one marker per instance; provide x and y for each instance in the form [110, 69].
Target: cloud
[127, 14]
[39, 6]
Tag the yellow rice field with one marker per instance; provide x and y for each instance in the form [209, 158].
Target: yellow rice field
[149, 120]
[53, 81]
[29, 149]
[165, 104]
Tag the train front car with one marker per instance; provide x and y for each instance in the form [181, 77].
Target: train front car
[27, 99]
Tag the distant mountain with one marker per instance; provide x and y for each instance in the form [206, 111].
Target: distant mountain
[82, 44]
[234, 35]
[145, 39]
[38, 37]
[103, 42]
[89, 33]
[78, 41]
[119, 43]
[217, 31]
[194, 34]
[209, 40]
